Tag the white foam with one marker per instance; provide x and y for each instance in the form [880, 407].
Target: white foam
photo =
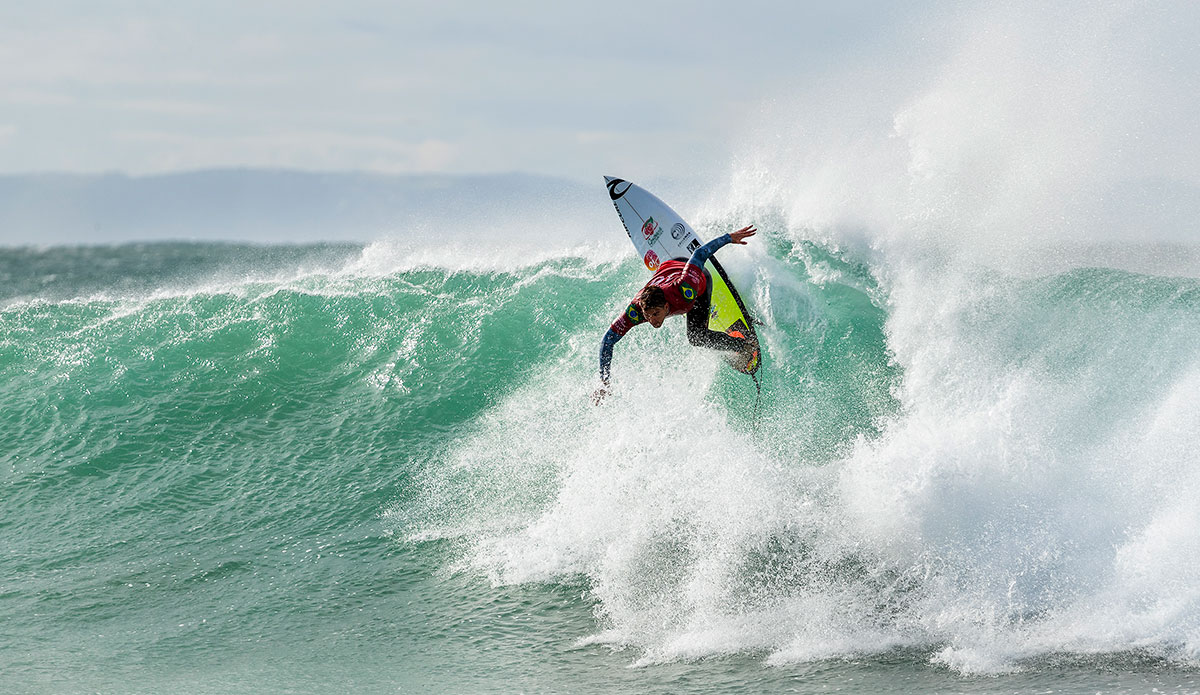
[388, 257]
[1035, 491]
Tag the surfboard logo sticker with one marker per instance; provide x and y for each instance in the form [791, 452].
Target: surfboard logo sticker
[612, 188]
[677, 231]
[651, 231]
[651, 260]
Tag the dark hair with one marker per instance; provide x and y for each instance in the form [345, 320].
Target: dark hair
[651, 296]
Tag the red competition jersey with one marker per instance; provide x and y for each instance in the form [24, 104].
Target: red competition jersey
[681, 281]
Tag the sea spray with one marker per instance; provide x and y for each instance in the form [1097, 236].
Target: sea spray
[978, 431]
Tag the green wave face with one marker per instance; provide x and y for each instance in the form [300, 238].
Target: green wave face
[233, 463]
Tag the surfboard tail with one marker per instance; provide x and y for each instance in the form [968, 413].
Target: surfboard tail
[729, 315]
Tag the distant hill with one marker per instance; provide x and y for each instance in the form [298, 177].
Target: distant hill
[277, 206]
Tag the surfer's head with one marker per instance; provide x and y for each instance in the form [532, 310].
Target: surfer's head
[653, 302]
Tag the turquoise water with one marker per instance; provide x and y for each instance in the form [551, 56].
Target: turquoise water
[242, 469]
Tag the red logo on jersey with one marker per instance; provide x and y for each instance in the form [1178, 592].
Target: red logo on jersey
[651, 260]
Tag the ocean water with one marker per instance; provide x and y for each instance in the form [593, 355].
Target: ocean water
[249, 469]
[376, 468]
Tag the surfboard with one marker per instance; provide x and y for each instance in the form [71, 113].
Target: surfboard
[659, 234]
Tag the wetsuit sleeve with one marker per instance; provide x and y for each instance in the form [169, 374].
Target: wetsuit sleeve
[701, 255]
[606, 350]
[629, 318]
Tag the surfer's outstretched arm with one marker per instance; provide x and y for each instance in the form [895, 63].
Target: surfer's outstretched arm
[629, 318]
[606, 351]
[701, 255]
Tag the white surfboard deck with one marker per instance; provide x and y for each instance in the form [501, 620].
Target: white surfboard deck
[657, 232]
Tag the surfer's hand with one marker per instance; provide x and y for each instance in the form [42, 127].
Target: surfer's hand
[742, 234]
[598, 396]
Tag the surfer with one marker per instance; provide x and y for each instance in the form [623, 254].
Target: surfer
[677, 287]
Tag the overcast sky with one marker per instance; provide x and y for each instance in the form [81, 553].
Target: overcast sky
[563, 88]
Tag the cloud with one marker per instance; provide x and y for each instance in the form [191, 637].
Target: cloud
[424, 84]
[164, 107]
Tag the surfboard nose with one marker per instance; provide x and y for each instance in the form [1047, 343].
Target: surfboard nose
[609, 179]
